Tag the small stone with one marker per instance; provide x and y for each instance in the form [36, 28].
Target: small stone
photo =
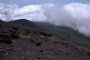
[7, 53]
[88, 54]
[41, 50]
[39, 58]
[38, 44]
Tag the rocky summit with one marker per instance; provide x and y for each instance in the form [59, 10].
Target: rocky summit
[18, 42]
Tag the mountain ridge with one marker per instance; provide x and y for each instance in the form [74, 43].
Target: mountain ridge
[24, 22]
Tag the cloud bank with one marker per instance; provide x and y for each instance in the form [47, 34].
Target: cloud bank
[73, 15]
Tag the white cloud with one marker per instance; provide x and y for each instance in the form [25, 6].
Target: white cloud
[6, 11]
[81, 16]
[28, 9]
[78, 10]
[74, 15]
[31, 12]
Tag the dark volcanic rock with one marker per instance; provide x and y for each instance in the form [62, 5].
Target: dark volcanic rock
[29, 44]
[7, 33]
[24, 22]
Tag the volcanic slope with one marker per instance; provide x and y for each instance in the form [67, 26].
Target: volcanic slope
[30, 44]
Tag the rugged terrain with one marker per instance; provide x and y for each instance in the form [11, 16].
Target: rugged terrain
[18, 42]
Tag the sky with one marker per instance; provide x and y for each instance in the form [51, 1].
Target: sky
[28, 2]
[70, 13]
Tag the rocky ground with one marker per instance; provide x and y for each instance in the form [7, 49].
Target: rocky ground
[28, 44]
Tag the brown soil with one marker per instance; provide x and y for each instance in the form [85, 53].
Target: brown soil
[43, 47]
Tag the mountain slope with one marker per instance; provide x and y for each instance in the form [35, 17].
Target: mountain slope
[51, 29]
[65, 31]
[40, 45]
[24, 22]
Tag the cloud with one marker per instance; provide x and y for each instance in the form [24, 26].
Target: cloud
[81, 16]
[30, 12]
[73, 15]
[6, 11]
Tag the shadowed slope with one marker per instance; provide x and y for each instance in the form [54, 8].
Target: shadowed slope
[24, 22]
